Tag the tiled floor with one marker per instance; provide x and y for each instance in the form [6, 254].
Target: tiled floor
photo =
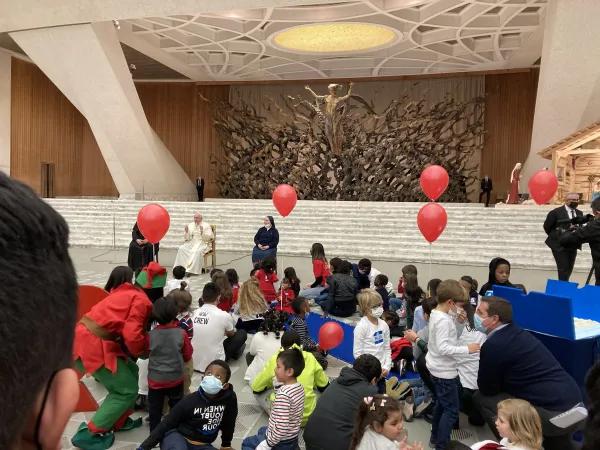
[93, 267]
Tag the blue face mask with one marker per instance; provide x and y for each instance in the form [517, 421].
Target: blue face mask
[211, 385]
[478, 322]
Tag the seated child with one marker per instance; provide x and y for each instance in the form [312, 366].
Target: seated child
[419, 321]
[226, 298]
[331, 424]
[234, 281]
[379, 425]
[285, 297]
[288, 406]
[267, 278]
[372, 335]
[311, 377]
[381, 282]
[467, 282]
[214, 333]
[168, 348]
[251, 306]
[290, 274]
[405, 271]
[265, 343]
[301, 308]
[341, 296]
[183, 301]
[196, 420]
[518, 424]
[402, 354]
[499, 274]
[178, 276]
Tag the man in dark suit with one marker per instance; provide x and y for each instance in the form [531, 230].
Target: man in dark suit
[200, 188]
[486, 188]
[564, 257]
[515, 364]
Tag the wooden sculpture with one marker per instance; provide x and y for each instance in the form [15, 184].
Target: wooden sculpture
[347, 151]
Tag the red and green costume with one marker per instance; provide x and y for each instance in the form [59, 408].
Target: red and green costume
[105, 341]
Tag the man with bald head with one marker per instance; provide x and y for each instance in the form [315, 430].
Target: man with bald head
[197, 237]
[558, 218]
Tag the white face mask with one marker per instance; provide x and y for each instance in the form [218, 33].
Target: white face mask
[377, 311]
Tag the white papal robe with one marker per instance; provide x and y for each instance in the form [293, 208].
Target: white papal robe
[196, 245]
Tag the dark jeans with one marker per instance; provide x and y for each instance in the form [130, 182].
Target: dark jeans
[340, 309]
[234, 345]
[447, 408]
[565, 261]
[555, 438]
[173, 440]
[381, 385]
[251, 442]
[487, 197]
[467, 405]
[424, 373]
[156, 400]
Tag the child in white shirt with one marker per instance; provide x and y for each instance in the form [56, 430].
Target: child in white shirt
[178, 275]
[441, 358]
[372, 335]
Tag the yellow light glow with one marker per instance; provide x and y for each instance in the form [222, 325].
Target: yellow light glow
[334, 38]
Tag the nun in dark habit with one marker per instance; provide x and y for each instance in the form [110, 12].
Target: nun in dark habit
[140, 250]
[266, 240]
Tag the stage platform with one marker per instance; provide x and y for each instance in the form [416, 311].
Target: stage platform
[353, 230]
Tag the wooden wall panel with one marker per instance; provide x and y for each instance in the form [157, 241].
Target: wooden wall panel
[46, 127]
[184, 123]
[509, 110]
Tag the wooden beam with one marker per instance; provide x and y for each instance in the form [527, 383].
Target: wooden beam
[365, 79]
[585, 151]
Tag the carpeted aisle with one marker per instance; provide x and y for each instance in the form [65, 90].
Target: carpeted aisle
[344, 350]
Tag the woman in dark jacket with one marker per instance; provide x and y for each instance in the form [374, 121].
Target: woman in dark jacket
[141, 252]
[341, 300]
[266, 240]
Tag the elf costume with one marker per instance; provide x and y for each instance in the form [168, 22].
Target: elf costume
[107, 339]
[153, 280]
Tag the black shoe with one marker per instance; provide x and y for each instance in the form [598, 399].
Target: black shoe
[428, 418]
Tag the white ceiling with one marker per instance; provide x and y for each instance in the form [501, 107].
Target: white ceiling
[435, 36]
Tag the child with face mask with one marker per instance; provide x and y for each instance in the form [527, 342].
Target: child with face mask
[197, 419]
[499, 274]
[372, 335]
[443, 349]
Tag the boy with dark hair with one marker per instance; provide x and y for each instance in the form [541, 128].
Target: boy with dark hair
[301, 308]
[288, 406]
[381, 282]
[331, 424]
[214, 334]
[196, 420]
[168, 348]
[40, 387]
[365, 268]
[178, 276]
[441, 361]
[311, 377]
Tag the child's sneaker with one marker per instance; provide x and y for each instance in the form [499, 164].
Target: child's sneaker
[408, 409]
[420, 410]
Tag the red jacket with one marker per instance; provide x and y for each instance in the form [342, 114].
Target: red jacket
[285, 300]
[124, 313]
[265, 282]
[398, 345]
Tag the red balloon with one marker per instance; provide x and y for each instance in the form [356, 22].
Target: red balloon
[434, 181]
[331, 335]
[153, 221]
[284, 199]
[542, 186]
[432, 220]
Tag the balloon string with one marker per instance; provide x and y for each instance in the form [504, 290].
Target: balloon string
[430, 258]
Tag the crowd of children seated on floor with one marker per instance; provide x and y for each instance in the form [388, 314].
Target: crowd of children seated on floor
[363, 408]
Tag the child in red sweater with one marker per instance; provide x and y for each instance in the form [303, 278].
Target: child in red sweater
[234, 281]
[267, 278]
[320, 271]
[285, 296]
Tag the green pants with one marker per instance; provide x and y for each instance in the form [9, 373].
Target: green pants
[122, 387]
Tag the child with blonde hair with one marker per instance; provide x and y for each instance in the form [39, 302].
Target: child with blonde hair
[379, 426]
[250, 307]
[372, 335]
[518, 424]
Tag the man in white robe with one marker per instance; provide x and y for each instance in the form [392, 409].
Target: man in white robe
[197, 243]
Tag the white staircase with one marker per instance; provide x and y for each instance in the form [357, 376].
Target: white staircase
[383, 231]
